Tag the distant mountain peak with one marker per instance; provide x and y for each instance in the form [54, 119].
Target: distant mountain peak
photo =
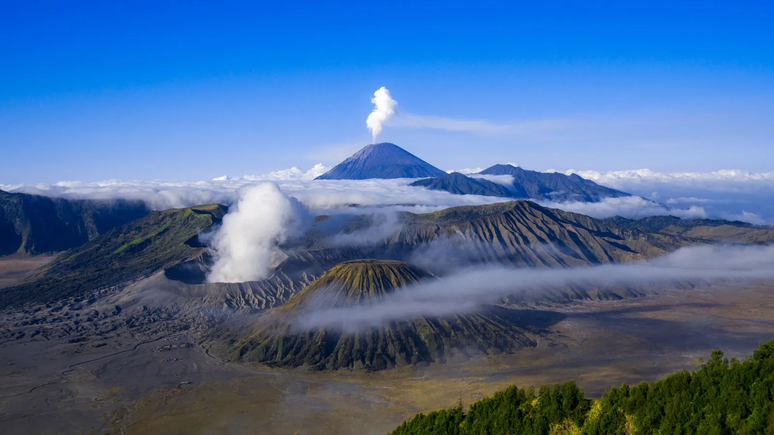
[381, 160]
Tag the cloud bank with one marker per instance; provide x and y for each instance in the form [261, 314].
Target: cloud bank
[727, 194]
[741, 196]
[472, 288]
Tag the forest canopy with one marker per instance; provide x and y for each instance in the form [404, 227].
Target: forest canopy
[720, 397]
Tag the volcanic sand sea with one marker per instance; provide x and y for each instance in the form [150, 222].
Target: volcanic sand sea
[599, 344]
[15, 268]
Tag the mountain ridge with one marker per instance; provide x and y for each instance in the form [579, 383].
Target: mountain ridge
[554, 186]
[383, 160]
[34, 224]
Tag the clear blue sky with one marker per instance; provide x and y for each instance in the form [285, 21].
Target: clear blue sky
[193, 90]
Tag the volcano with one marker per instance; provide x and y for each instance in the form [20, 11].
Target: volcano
[381, 160]
[422, 340]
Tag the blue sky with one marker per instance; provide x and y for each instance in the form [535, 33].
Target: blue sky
[194, 90]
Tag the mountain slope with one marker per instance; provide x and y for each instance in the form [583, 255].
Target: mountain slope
[525, 234]
[459, 184]
[139, 248]
[382, 160]
[33, 224]
[701, 229]
[277, 341]
[553, 186]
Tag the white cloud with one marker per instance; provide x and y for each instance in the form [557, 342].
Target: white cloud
[330, 194]
[746, 216]
[727, 180]
[633, 207]
[412, 121]
[465, 171]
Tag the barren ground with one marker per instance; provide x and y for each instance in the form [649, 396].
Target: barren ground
[80, 367]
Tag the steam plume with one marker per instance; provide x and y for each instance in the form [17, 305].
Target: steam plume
[262, 218]
[384, 109]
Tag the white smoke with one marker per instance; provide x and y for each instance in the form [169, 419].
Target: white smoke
[384, 109]
[262, 218]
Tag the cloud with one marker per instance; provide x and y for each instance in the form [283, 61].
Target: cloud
[465, 171]
[721, 194]
[472, 288]
[633, 207]
[728, 180]
[756, 206]
[262, 218]
[746, 216]
[411, 121]
[385, 113]
[384, 110]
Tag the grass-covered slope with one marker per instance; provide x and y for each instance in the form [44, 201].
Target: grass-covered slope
[276, 342]
[139, 248]
[723, 397]
[33, 224]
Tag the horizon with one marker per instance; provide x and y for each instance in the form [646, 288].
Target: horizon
[102, 92]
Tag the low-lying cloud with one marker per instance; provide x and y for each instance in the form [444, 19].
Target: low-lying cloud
[470, 289]
[751, 200]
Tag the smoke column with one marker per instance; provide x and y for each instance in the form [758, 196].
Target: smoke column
[262, 218]
[384, 109]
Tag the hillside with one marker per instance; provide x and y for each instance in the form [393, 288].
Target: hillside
[277, 340]
[524, 234]
[722, 397]
[382, 160]
[459, 184]
[553, 185]
[33, 224]
[701, 229]
[139, 248]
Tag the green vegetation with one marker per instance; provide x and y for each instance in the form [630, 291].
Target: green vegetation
[139, 248]
[722, 397]
[33, 224]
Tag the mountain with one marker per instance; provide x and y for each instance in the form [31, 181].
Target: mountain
[524, 234]
[277, 340]
[160, 240]
[33, 224]
[514, 234]
[553, 186]
[382, 160]
[701, 229]
[459, 184]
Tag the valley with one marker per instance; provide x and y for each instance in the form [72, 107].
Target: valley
[157, 378]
